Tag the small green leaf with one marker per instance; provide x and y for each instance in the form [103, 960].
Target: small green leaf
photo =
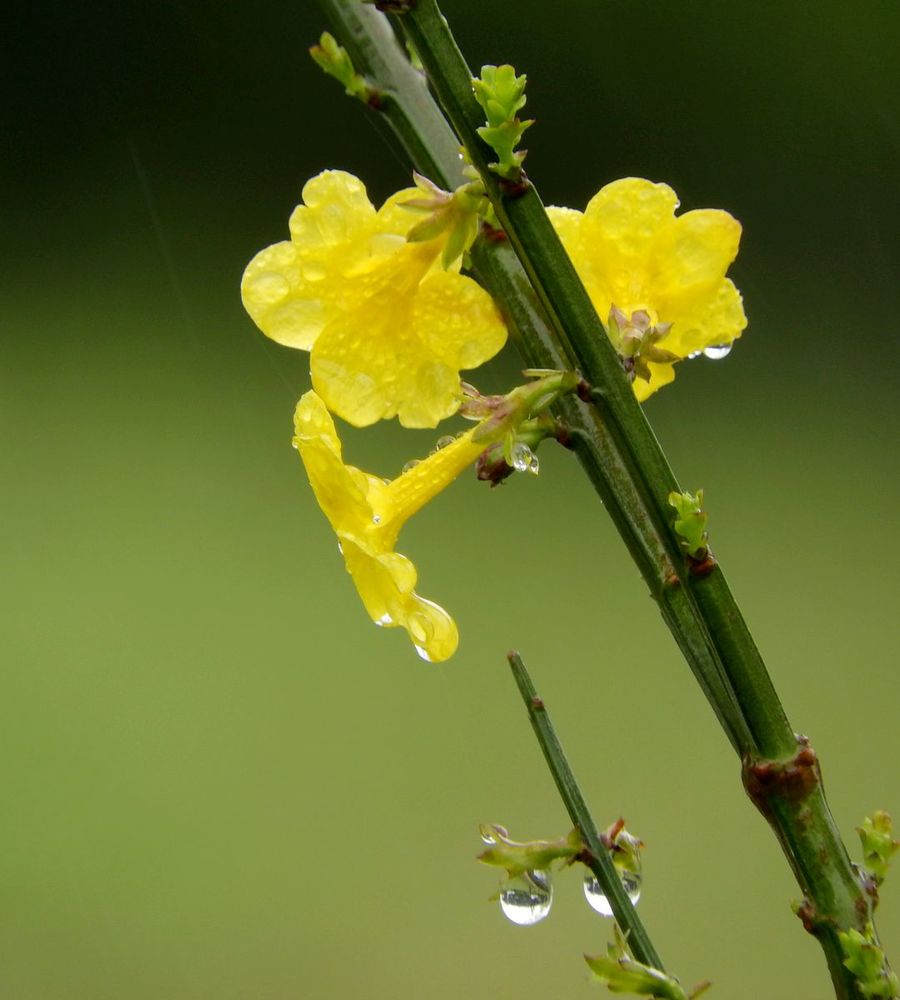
[526, 856]
[690, 522]
[878, 844]
[336, 62]
[620, 973]
[865, 959]
[501, 94]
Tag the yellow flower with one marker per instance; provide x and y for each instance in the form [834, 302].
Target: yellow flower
[388, 329]
[634, 255]
[367, 514]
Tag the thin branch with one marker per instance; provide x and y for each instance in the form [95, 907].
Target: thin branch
[598, 860]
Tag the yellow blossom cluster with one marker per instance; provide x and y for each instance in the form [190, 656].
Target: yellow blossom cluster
[389, 328]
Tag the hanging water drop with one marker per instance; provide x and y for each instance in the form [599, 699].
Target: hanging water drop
[527, 898]
[411, 464]
[694, 354]
[631, 883]
[718, 352]
[488, 834]
[523, 459]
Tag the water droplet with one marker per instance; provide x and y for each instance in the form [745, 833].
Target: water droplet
[313, 271]
[631, 883]
[694, 354]
[443, 442]
[486, 830]
[376, 519]
[385, 619]
[718, 352]
[524, 459]
[411, 464]
[527, 898]
[269, 287]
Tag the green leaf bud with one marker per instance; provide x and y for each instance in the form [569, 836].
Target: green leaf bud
[501, 94]
[878, 844]
[690, 522]
[336, 62]
[620, 973]
[864, 957]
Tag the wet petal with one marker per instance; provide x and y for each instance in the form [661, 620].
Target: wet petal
[696, 249]
[706, 319]
[335, 209]
[338, 491]
[367, 514]
[456, 320]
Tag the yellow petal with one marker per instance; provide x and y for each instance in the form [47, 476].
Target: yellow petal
[292, 289]
[695, 249]
[385, 583]
[456, 320]
[339, 492]
[660, 375]
[625, 218]
[335, 209]
[707, 319]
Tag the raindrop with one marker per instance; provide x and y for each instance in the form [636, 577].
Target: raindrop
[411, 464]
[385, 619]
[376, 519]
[314, 271]
[718, 352]
[524, 459]
[443, 442]
[631, 883]
[527, 898]
[694, 354]
[487, 833]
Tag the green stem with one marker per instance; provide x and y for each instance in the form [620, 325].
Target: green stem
[599, 860]
[578, 328]
[620, 453]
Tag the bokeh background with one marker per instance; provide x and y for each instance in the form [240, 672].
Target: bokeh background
[219, 780]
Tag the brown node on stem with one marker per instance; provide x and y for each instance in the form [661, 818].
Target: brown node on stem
[704, 565]
[492, 233]
[809, 916]
[792, 780]
[395, 6]
[515, 188]
[584, 390]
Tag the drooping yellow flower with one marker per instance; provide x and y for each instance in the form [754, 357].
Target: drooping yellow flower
[636, 256]
[367, 514]
[387, 327]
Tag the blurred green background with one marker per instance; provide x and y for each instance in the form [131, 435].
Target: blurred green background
[219, 780]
